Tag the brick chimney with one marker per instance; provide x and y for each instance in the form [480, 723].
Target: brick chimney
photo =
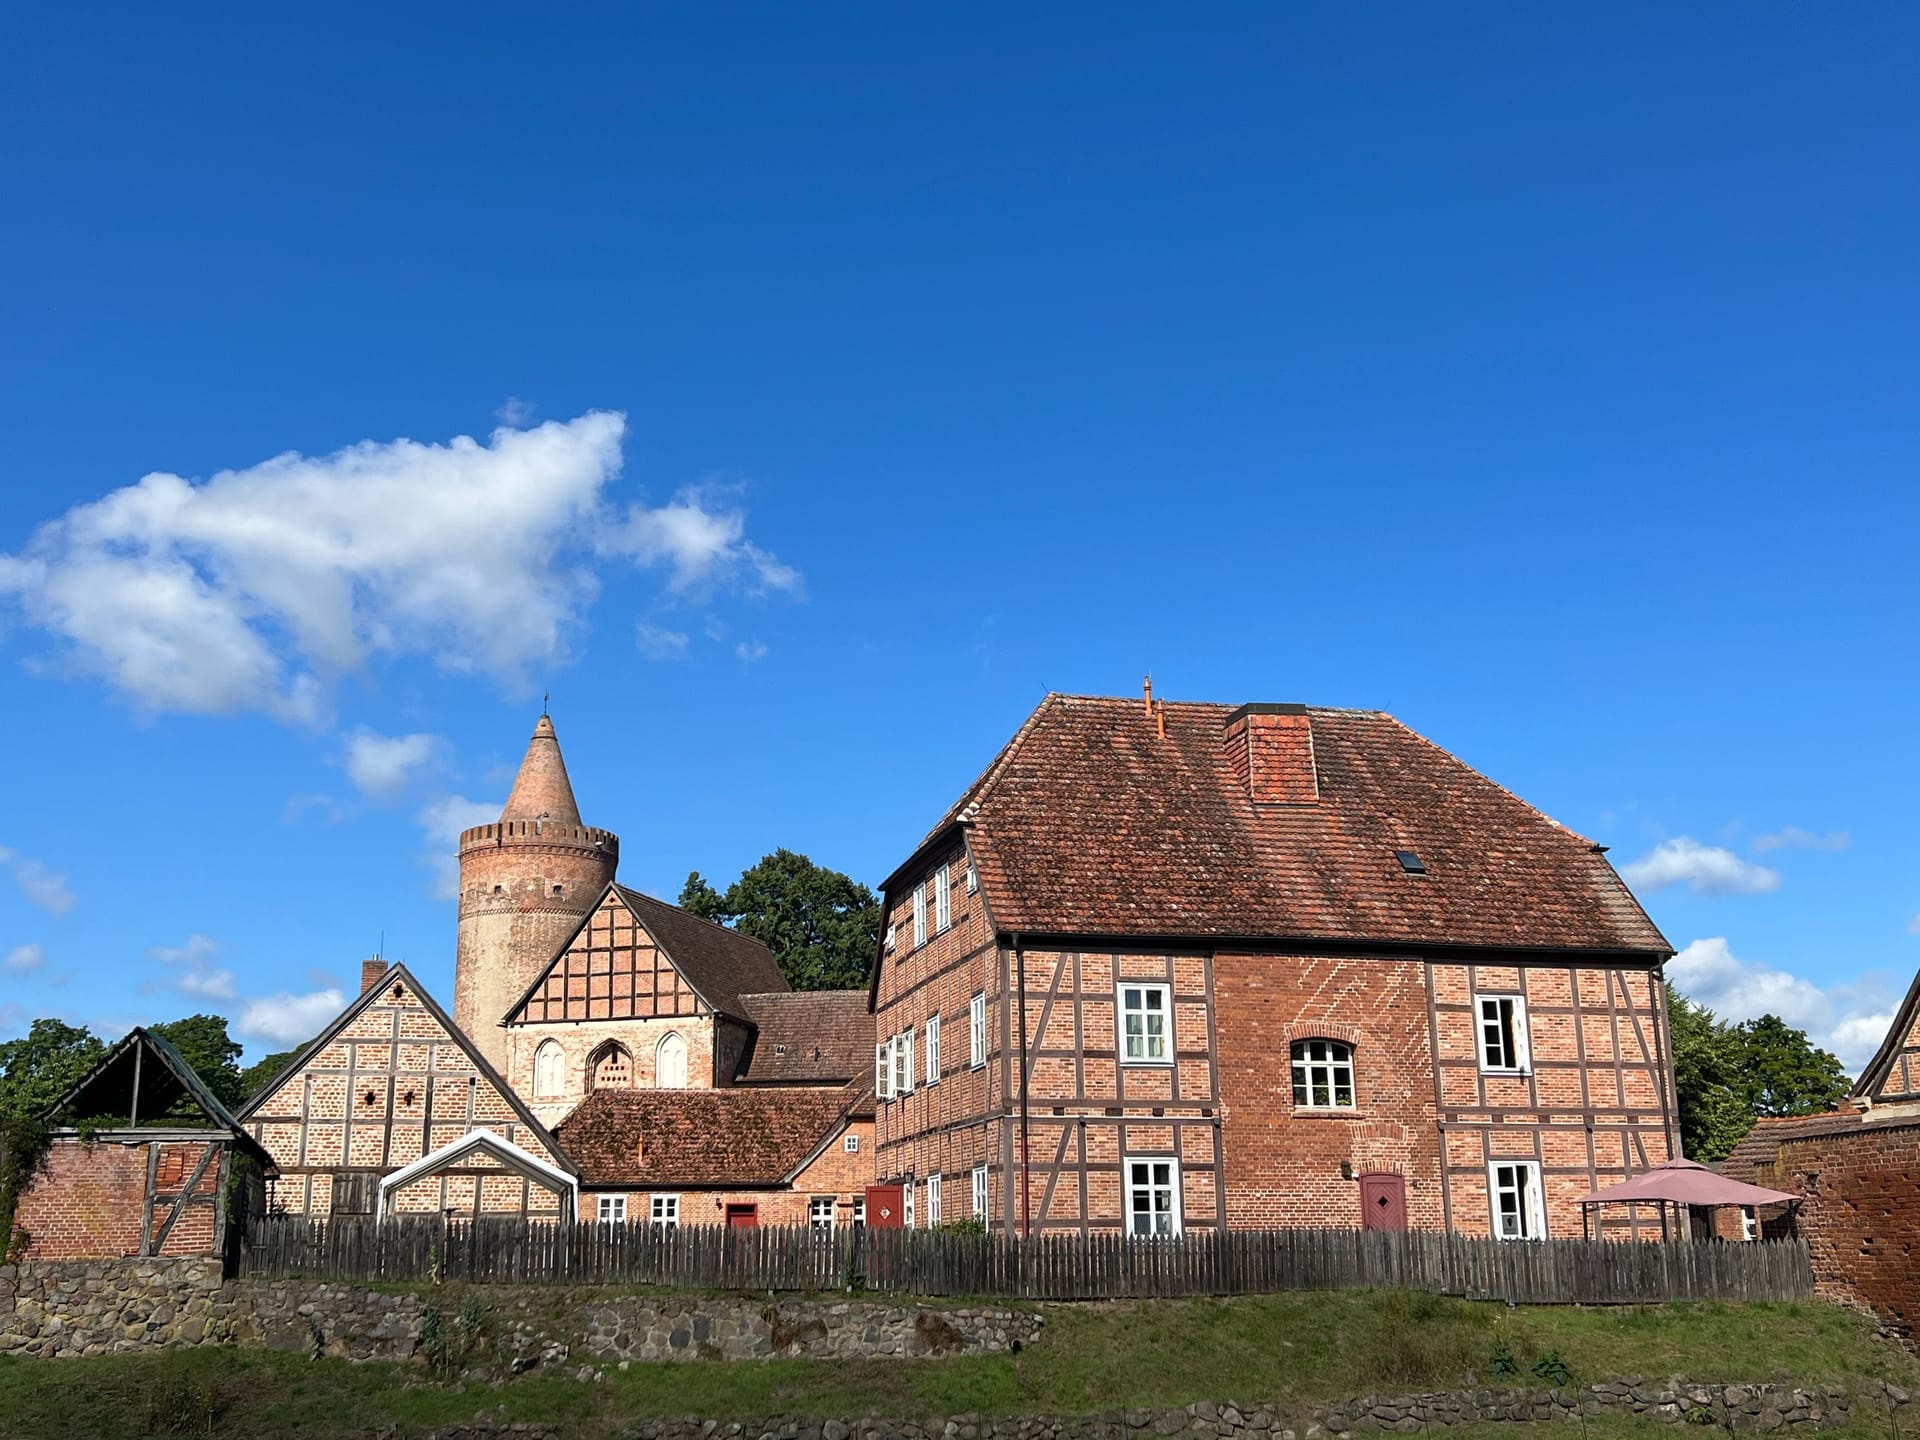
[370, 972]
[1271, 750]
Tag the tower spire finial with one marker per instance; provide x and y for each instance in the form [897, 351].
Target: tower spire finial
[541, 791]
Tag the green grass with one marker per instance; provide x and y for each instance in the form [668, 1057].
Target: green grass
[1293, 1348]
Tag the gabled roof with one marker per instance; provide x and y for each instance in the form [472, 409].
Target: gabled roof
[399, 974]
[1761, 1145]
[1880, 1069]
[141, 1078]
[1091, 823]
[753, 1137]
[510, 1155]
[808, 1037]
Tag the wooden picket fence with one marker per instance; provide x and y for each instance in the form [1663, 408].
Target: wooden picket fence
[1047, 1267]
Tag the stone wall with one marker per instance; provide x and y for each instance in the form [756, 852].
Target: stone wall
[54, 1309]
[1739, 1407]
[693, 1327]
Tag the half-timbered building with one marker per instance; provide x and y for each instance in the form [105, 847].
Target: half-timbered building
[1170, 966]
[392, 1110]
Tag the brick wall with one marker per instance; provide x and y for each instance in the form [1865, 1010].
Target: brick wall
[833, 1172]
[1861, 1214]
[90, 1200]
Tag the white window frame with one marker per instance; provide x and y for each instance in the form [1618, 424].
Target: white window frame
[1486, 1011]
[942, 901]
[851, 1145]
[977, 1030]
[933, 1050]
[980, 1193]
[1152, 1185]
[1124, 1038]
[1309, 1068]
[612, 1210]
[973, 878]
[890, 939]
[820, 1212]
[883, 1070]
[901, 1048]
[1749, 1223]
[860, 1210]
[663, 1211]
[906, 1042]
[919, 915]
[1522, 1182]
[909, 1188]
[933, 1201]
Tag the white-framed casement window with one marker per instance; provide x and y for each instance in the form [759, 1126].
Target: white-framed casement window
[820, 1212]
[664, 1211]
[942, 900]
[933, 1200]
[859, 1211]
[1153, 1197]
[977, 1031]
[903, 1063]
[980, 1193]
[933, 1049]
[1323, 1075]
[1146, 1024]
[851, 1144]
[1502, 1026]
[1519, 1208]
[919, 915]
[613, 1209]
[973, 878]
[883, 1070]
[1749, 1224]
[907, 1193]
[889, 939]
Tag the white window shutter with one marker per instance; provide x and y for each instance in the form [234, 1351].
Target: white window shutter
[882, 1072]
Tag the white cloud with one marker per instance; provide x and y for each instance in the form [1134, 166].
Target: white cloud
[702, 544]
[41, 886]
[23, 958]
[1849, 1018]
[286, 1019]
[441, 823]
[383, 767]
[751, 651]
[515, 412]
[250, 590]
[1703, 869]
[194, 972]
[1791, 837]
[656, 642]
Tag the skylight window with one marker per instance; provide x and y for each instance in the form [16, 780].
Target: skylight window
[1410, 862]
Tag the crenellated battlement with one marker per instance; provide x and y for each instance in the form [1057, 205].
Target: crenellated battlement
[538, 832]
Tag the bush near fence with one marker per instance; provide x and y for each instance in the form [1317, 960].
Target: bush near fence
[1046, 1267]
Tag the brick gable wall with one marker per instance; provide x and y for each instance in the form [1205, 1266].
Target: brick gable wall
[90, 1201]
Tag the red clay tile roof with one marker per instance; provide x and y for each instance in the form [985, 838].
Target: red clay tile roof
[726, 1138]
[721, 964]
[1762, 1143]
[809, 1037]
[1090, 823]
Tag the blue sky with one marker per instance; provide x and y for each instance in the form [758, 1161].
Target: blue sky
[799, 393]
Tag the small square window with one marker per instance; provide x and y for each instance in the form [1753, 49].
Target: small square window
[852, 1145]
[820, 1212]
[665, 1211]
[613, 1209]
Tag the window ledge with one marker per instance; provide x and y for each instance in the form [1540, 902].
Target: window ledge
[1328, 1112]
[1166, 1064]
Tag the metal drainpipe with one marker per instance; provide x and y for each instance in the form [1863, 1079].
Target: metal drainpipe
[1026, 1199]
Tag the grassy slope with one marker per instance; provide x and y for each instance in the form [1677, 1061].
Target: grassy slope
[1297, 1347]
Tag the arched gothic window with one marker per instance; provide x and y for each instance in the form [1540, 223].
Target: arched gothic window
[670, 1063]
[1323, 1074]
[610, 1067]
[547, 1079]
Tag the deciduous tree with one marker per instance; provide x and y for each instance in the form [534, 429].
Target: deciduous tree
[820, 924]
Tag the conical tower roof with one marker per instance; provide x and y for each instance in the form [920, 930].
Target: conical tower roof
[541, 791]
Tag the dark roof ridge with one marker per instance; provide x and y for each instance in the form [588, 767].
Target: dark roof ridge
[1874, 1073]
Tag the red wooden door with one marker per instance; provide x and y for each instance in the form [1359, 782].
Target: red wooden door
[1383, 1201]
[742, 1217]
[886, 1207]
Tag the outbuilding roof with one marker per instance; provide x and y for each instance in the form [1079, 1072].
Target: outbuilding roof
[1093, 822]
[808, 1037]
[745, 1138]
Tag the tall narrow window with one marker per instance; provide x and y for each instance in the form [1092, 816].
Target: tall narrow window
[859, 1212]
[977, 1030]
[933, 1200]
[670, 1063]
[547, 1062]
[665, 1212]
[973, 878]
[942, 900]
[933, 1049]
[902, 1076]
[1144, 1023]
[907, 1192]
[919, 915]
[980, 1193]
[1519, 1211]
[1322, 1075]
[906, 1046]
[883, 1070]
[1503, 1032]
[1153, 1197]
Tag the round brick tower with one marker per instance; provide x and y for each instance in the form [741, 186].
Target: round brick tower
[526, 882]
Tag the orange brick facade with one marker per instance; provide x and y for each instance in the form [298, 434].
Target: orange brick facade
[91, 1201]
